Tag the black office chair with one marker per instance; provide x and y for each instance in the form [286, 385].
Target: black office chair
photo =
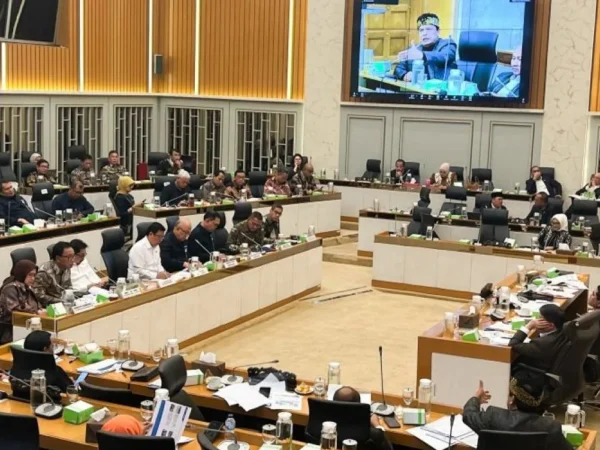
[257, 181]
[19, 432]
[494, 225]
[24, 361]
[160, 183]
[41, 199]
[242, 211]
[154, 159]
[26, 156]
[26, 169]
[352, 420]
[373, 169]
[595, 236]
[227, 181]
[481, 175]
[114, 257]
[547, 172]
[482, 201]
[142, 230]
[414, 168]
[49, 250]
[424, 198]
[76, 152]
[101, 163]
[6, 170]
[117, 441]
[414, 227]
[460, 173]
[71, 165]
[188, 163]
[173, 375]
[171, 222]
[457, 193]
[23, 253]
[585, 208]
[514, 440]
[555, 205]
[477, 57]
[196, 182]
[112, 192]
[111, 395]
[221, 235]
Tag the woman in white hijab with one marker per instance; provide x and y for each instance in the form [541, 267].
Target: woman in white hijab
[556, 233]
[444, 177]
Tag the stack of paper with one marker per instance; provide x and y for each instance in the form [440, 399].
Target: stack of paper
[244, 395]
[101, 367]
[437, 434]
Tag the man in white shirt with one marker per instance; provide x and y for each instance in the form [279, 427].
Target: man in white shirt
[83, 276]
[144, 256]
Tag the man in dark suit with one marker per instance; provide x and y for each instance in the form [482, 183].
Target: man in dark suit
[438, 55]
[538, 183]
[541, 351]
[176, 193]
[507, 84]
[170, 166]
[174, 252]
[525, 406]
[540, 206]
[497, 201]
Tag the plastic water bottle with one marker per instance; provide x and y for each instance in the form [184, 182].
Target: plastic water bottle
[329, 436]
[230, 428]
[429, 234]
[284, 429]
[418, 70]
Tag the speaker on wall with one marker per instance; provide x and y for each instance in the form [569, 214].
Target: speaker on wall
[158, 64]
[33, 21]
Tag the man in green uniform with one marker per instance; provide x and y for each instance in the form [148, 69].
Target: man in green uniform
[249, 231]
[113, 170]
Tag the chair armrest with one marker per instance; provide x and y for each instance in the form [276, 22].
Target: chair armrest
[552, 376]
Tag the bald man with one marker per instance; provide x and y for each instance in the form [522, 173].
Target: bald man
[176, 193]
[305, 179]
[378, 439]
[174, 247]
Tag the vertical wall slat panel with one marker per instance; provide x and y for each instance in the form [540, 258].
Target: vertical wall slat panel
[46, 68]
[595, 91]
[299, 49]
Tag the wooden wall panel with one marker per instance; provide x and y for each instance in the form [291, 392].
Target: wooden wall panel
[243, 48]
[46, 68]
[116, 45]
[174, 38]
[299, 49]
[595, 84]
[538, 64]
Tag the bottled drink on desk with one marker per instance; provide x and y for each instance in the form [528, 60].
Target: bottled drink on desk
[59, 218]
[230, 428]
[121, 285]
[244, 251]
[455, 82]
[123, 345]
[194, 264]
[152, 175]
[418, 73]
[284, 430]
[376, 205]
[191, 200]
[212, 198]
[575, 416]
[157, 201]
[93, 180]
[161, 394]
[172, 347]
[329, 436]
[535, 244]
[429, 234]
[68, 298]
[2, 227]
[426, 393]
[336, 174]
[334, 373]
[244, 195]
[299, 191]
[37, 393]
[463, 212]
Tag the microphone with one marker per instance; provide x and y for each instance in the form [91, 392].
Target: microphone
[44, 212]
[9, 225]
[232, 378]
[203, 247]
[452, 417]
[47, 410]
[447, 56]
[248, 237]
[173, 199]
[381, 409]
[100, 273]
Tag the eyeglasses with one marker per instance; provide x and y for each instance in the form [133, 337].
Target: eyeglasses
[69, 258]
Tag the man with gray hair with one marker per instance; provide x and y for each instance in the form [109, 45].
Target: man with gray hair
[443, 178]
[176, 193]
[174, 247]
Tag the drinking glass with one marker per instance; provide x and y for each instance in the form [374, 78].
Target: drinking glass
[112, 347]
[73, 394]
[146, 410]
[157, 355]
[268, 433]
[548, 415]
[319, 386]
[408, 395]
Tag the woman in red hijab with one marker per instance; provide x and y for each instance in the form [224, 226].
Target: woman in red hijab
[124, 424]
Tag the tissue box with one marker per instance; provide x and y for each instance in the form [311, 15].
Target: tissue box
[413, 416]
[216, 369]
[317, 193]
[15, 230]
[194, 377]
[465, 241]
[90, 358]
[78, 413]
[92, 427]
[209, 265]
[471, 336]
[572, 435]
[92, 217]
[227, 202]
[416, 236]
[455, 216]
[468, 320]
[517, 324]
[56, 310]
[28, 228]
[101, 298]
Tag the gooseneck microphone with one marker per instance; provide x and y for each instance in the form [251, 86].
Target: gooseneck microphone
[452, 417]
[44, 212]
[203, 247]
[232, 378]
[48, 409]
[382, 408]
[248, 237]
[173, 199]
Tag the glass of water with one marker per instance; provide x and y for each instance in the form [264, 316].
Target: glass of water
[73, 394]
[146, 410]
[408, 395]
[112, 347]
[157, 355]
[319, 386]
[268, 433]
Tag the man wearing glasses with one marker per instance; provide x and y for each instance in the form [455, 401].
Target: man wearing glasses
[538, 183]
[54, 276]
[144, 256]
[40, 175]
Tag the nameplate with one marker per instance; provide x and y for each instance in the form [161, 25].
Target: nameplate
[131, 292]
[165, 283]
[310, 238]
[198, 273]
[255, 255]
[286, 246]
[83, 304]
[230, 264]
[44, 191]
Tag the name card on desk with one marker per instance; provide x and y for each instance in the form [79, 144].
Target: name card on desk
[56, 310]
[130, 292]
[84, 304]
[230, 264]
[198, 273]
[311, 238]
[167, 282]
[287, 245]
[255, 255]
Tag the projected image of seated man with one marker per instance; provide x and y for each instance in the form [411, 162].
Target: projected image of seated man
[432, 58]
[507, 84]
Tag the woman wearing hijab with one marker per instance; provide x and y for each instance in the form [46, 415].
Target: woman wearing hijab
[17, 295]
[124, 424]
[443, 178]
[124, 202]
[557, 233]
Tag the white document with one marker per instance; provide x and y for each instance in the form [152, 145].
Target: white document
[169, 420]
[365, 397]
[437, 434]
[271, 382]
[285, 400]
[244, 395]
[100, 368]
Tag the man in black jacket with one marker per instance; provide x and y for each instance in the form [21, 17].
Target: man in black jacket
[525, 406]
[177, 192]
[171, 165]
[542, 183]
[73, 199]
[201, 239]
[13, 208]
[540, 205]
[174, 247]
[541, 351]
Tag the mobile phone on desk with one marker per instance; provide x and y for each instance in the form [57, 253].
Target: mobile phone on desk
[391, 422]
[266, 391]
